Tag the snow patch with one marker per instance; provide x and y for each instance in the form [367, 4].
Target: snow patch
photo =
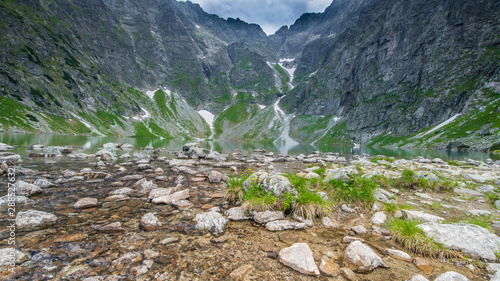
[151, 94]
[444, 123]
[287, 60]
[197, 26]
[284, 141]
[209, 118]
[261, 106]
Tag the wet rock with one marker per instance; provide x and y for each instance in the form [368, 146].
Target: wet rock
[300, 258]
[267, 216]
[160, 192]
[348, 274]
[150, 222]
[362, 258]
[476, 178]
[125, 190]
[10, 256]
[472, 240]
[182, 204]
[378, 218]
[131, 178]
[116, 198]
[18, 199]
[281, 225]
[43, 183]
[241, 272]
[215, 177]
[420, 215]
[26, 189]
[16, 159]
[159, 171]
[85, 203]
[145, 186]
[144, 166]
[236, 214]
[272, 183]
[418, 278]
[400, 255]
[180, 195]
[211, 221]
[215, 156]
[451, 276]
[126, 146]
[196, 153]
[106, 155]
[359, 230]
[329, 268]
[33, 219]
[423, 265]
[478, 213]
[110, 228]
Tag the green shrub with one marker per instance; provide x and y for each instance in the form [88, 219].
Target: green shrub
[357, 191]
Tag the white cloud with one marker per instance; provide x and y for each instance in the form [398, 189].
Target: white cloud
[269, 14]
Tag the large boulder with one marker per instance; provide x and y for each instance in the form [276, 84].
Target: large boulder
[271, 183]
[26, 189]
[472, 240]
[211, 221]
[342, 174]
[299, 257]
[362, 258]
[34, 219]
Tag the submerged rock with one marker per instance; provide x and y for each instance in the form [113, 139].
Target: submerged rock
[211, 221]
[43, 183]
[33, 219]
[85, 203]
[299, 257]
[9, 255]
[19, 199]
[362, 258]
[472, 240]
[150, 222]
[26, 189]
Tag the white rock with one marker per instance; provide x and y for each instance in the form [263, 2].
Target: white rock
[26, 189]
[312, 175]
[496, 277]
[300, 258]
[451, 276]
[85, 203]
[476, 178]
[492, 267]
[478, 213]
[149, 221]
[486, 188]
[11, 255]
[125, 190]
[211, 221]
[420, 215]
[267, 216]
[160, 192]
[180, 195]
[362, 257]
[43, 183]
[378, 218]
[399, 255]
[359, 230]
[472, 240]
[33, 219]
[328, 222]
[281, 225]
[467, 191]
[236, 214]
[19, 199]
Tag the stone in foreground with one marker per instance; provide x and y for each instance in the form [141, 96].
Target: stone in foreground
[281, 225]
[267, 216]
[362, 258]
[419, 215]
[418, 278]
[33, 219]
[85, 203]
[472, 240]
[236, 214]
[241, 272]
[300, 258]
[451, 276]
[211, 221]
[8, 255]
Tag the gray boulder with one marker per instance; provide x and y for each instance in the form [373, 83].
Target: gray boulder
[236, 214]
[451, 276]
[281, 225]
[472, 240]
[43, 183]
[271, 183]
[420, 215]
[33, 219]
[19, 199]
[26, 189]
[430, 176]
[299, 257]
[362, 258]
[211, 221]
[267, 216]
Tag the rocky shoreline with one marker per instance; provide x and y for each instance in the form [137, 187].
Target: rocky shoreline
[120, 214]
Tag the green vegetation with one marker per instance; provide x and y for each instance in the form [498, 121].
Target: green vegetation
[357, 190]
[414, 240]
[234, 115]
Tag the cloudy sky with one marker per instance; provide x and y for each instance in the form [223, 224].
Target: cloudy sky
[269, 14]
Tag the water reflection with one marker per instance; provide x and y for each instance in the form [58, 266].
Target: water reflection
[91, 144]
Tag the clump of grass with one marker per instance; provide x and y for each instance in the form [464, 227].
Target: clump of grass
[257, 199]
[357, 191]
[482, 221]
[310, 204]
[409, 181]
[453, 163]
[235, 191]
[492, 197]
[414, 240]
[390, 208]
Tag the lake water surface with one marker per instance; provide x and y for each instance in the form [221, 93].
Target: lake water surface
[91, 144]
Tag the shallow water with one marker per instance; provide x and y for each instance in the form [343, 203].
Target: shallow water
[91, 144]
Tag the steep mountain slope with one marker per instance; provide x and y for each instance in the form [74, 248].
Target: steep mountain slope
[385, 72]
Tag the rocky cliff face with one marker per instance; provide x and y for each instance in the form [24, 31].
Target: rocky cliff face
[384, 72]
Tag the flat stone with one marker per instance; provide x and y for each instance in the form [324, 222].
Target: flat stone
[236, 214]
[125, 190]
[348, 274]
[400, 255]
[43, 183]
[467, 191]
[215, 176]
[359, 230]
[26, 189]
[180, 195]
[85, 203]
[451, 276]
[476, 178]
[300, 258]
[281, 225]
[329, 268]
[350, 239]
[150, 222]
[378, 218]
[211, 221]
[11, 255]
[182, 204]
[160, 192]
[478, 213]
[116, 198]
[241, 272]
[267, 216]
[472, 240]
[110, 228]
[423, 265]
[362, 258]
[420, 215]
[34, 219]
